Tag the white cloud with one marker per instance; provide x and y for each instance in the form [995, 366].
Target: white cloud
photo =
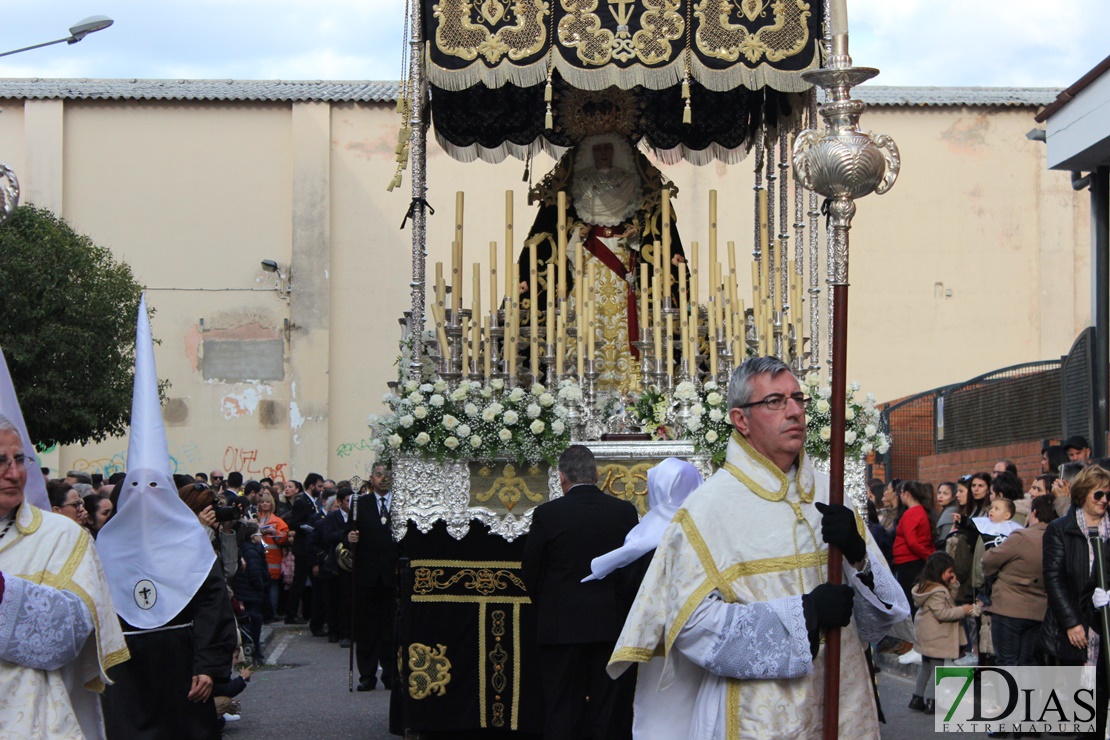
[913, 42]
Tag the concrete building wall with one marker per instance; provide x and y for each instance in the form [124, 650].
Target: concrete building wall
[195, 194]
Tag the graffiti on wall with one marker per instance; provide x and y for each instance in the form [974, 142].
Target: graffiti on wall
[181, 460]
[245, 460]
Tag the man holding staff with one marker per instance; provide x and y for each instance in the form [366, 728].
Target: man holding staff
[736, 598]
[615, 216]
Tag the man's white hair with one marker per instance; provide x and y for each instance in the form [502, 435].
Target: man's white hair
[7, 425]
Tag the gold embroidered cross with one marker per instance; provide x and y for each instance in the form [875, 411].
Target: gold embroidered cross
[622, 14]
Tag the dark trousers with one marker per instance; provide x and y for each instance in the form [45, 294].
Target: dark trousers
[253, 617]
[1015, 639]
[343, 613]
[329, 608]
[374, 643]
[302, 568]
[907, 574]
[1102, 694]
[319, 605]
[580, 700]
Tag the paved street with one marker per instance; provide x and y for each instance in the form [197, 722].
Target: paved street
[305, 695]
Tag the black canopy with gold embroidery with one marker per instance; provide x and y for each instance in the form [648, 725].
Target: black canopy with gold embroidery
[490, 63]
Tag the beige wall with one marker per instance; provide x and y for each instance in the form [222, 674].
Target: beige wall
[195, 194]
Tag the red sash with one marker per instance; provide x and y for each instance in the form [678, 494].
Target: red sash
[605, 255]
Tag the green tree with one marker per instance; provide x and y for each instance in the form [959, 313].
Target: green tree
[67, 328]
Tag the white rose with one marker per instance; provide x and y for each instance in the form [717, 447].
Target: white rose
[558, 427]
[711, 436]
[561, 412]
[813, 380]
[537, 427]
[694, 423]
[714, 399]
[824, 392]
[471, 409]
[376, 445]
[533, 410]
[822, 406]
[870, 430]
[516, 394]
[866, 448]
[870, 398]
[395, 440]
[464, 430]
[497, 384]
[389, 398]
[426, 387]
[436, 401]
[451, 442]
[411, 385]
[450, 422]
[420, 412]
[440, 386]
[537, 389]
[423, 439]
[487, 392]
[849, 413]
[710, 385]
[853, 386]
[505, 435]
[416, 397]
[825, 433]
[459, 393]
[510, 417]
[488, 414]
[475, 441]
[883, 447]
[716, 415]
[697, 409]
[406, 421]
[547, 400]
[849, 437]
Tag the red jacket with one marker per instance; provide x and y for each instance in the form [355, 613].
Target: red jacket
[913, 540]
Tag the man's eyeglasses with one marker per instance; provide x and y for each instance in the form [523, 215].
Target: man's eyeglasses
[1099, 495]
[778, 401]
[74, 504]
[20, 461]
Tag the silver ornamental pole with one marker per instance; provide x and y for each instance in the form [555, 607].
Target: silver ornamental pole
[842, 164]
[418, 88]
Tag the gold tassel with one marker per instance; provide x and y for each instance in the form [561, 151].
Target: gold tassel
[394, 183]
[686, 88]
[687, 116]
[549, 119]
[547, 91]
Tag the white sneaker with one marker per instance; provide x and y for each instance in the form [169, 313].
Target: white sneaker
[910, 658]
[969, 659]
[231, 718]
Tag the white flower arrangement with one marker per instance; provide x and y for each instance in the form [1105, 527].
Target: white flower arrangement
[475, 421]
[862, 434]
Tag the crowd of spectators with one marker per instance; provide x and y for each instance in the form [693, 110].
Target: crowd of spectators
[279, 560]
[998, 573]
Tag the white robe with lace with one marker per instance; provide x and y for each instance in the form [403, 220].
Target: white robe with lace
[721, 606]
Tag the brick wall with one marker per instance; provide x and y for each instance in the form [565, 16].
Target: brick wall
[951, 465]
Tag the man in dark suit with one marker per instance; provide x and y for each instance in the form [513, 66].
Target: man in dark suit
[578, 623]
[375, 581]
[302, 520]
[333, 530]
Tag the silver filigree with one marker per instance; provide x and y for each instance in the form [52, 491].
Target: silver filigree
[9, 194]
[426, 492]
[855, 480]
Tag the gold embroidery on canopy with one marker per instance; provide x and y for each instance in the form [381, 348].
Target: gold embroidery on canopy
[457, 33]
[719, 38]
[626, 482]
[484, 581]
[660, 24]
[430, 670]
[508, 488]
[581, 29]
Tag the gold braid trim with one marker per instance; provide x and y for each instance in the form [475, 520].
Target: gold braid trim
[472, 599]
[732, 708]
[632, 655]
[465, 564]
[515, 711]
[784, 482]
[482, 664]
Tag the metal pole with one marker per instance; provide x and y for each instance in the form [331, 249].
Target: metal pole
[1100, 252]
[418, 88]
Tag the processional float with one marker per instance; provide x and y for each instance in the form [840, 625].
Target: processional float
[698, 81]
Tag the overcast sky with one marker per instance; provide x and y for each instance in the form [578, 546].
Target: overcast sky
[913, 42]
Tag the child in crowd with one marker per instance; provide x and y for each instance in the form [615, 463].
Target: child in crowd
[937, 624]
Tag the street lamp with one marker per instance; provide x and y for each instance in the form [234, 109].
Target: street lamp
[78, 31]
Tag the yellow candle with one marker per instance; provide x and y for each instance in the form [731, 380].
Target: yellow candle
[764, 241]
[457, 253]
[549, 318]
[712, 337]
[718, 289]
[591, 278]
[561, 230]
[441, 334]
[734, 323]
[645, 317]
[666, 242]
[508, 245]
[729, 308]
[476, 298]
[579, 312]
[513, 307]
[464, 340]
[533, 312]
[670, 345]
[732, 261]
[492, 277]
[694, 275]
[560, 343]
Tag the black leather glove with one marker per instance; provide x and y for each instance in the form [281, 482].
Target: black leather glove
[825, 607]
[838, 527]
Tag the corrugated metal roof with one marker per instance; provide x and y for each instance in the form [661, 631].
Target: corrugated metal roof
[381, 92]
[1026, 97]
[237, 90]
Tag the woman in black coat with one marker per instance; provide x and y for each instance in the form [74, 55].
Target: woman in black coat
[249, 584]
[1070, 580]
